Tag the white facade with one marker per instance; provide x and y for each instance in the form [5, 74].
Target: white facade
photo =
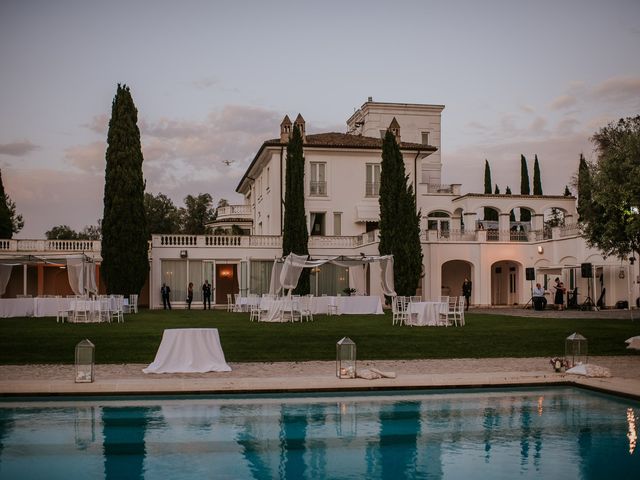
[341, 175]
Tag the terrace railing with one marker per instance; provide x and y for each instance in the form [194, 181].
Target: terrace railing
[50, 246]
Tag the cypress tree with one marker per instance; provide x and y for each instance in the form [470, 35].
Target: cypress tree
[508, 190]
[399, 222]
[567, 192]
[497, 190]
[295, 236]
[489, 213]
[6, 224]
[584, 189]
[537, 181]
[524, 176]
[125, 264]
[525, 215]
[389, 193]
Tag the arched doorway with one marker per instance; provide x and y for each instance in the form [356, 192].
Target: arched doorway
[453, 274]
[505, 282]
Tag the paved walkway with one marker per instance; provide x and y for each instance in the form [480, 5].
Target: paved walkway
[633, 314]
[317, 376]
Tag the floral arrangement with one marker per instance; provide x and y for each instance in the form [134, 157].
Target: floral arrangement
[559, 363]
[349, 291]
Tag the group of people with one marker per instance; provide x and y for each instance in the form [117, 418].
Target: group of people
[540, 301]
[165, 292]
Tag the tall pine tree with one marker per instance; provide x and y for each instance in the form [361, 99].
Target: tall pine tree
[125, 263]
[6, 224]
[295, 237]
[489, 213]
[537, 181]
[399, 222]
[525, 215]
[584, 189]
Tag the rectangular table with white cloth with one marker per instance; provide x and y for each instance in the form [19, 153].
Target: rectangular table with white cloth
[48, 307]
[189, 350]
[426, 314]
[16, 307]
[347, 305]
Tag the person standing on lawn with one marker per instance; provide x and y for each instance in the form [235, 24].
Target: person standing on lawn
[206, 294]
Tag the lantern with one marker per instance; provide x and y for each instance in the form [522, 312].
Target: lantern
[575, 350]
[346, 358]
[85, 353]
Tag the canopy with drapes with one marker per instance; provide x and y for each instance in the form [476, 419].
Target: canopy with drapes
[286, 272]
[81, 269]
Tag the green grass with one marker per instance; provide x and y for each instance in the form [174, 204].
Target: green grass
[42, 340]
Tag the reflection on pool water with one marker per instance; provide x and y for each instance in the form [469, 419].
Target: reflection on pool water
[505, 433]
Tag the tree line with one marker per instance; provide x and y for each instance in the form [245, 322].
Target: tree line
[162, 215]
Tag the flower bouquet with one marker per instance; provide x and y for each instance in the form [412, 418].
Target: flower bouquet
[558, 363]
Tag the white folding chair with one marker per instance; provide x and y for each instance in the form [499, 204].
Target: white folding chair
[452, 312]
[291, 309]
[305, 308]
[230, 304]
[461, 307]
[81, 309]
[116, 308]
[62, 306]
[104, 309]
[133, 303]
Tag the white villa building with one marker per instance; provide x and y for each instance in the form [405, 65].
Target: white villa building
[342, 179]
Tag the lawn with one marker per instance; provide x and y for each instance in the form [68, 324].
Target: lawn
[42, 340]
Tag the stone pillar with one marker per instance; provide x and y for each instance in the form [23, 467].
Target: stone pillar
[40, 270]
[503, 227]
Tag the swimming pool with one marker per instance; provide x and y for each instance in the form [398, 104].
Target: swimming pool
[504, 433]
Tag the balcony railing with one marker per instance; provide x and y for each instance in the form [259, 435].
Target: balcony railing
[217, 241]
[234, 211]
[570, 230]
[455, 236]
[318, 189]
[439, 188]
[50, 246]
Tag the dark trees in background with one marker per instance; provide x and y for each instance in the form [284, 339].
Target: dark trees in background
[10, 222]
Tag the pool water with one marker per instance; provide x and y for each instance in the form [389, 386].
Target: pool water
[506, 433]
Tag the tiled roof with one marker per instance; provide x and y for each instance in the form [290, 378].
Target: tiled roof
[345, 140]
[337, 140]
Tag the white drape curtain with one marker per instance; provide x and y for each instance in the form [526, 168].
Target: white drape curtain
[274, 284]
[387, 284]
[357, 278]
[82, 275]
[5, 275]
[293, 265]
[74, 271]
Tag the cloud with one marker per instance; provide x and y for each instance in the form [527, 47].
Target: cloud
[45, 199]
[537, 126]
[99, 124]
[89, 158]
[558, 157]
[563, 101]
[527, 108]
[18, 149]
[619, 89]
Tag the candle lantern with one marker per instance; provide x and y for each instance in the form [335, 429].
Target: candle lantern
[346, 358]
[85, 356]
[575, 350]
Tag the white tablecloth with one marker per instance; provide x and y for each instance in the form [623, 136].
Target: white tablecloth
[426, 313]
[357, 305]
[48, 307]
[16, 307]
[189, 350]
[244, 304]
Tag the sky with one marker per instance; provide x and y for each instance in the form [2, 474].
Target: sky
[213, 79]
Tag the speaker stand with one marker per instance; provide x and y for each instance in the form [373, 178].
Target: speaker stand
[588, 303]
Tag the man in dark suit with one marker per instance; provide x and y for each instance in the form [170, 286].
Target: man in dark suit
[165, 291]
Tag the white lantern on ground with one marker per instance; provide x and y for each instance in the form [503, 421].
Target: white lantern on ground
[346, 358]
[575, 350]
[85, 355]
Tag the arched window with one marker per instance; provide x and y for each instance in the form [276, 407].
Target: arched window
[439, 221]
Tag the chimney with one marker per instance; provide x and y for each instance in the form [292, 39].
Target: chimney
[370, 99]
[394, 127]
[300, 123]
[285, 129]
